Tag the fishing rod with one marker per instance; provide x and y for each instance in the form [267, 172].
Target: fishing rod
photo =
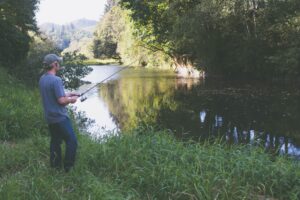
[83, 98]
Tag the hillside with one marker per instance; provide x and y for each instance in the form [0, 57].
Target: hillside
[69, 36]
[83, 24]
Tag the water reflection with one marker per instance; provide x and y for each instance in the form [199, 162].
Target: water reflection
[240, 113]
[95, 107]
[272, 143]
[186, 83]
[202, 116]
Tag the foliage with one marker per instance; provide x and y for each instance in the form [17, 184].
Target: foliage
[233, 38]
[108, 33]
[74, 70]
[67, 35]
[82, 46]
[115, 38]
[17, 18]
[110, 4]
[30, 69]
[133, 51]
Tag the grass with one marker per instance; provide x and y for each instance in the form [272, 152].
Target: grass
[20, 111]
[143, 164]
[147, 166]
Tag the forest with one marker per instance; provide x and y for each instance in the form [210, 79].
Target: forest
[256, 39]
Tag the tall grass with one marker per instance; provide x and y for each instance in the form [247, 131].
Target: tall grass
[144, 164]
[148, 166]
[160, 167]
[20, 111]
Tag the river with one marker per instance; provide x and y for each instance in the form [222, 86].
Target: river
[240, 112]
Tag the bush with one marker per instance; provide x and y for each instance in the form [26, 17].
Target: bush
[74, 70]
[31, 68]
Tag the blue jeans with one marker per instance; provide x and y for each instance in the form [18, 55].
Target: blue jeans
[59, 132]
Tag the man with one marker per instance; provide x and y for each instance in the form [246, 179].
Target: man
[54, 103]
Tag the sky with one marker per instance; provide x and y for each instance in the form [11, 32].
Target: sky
[64, 11]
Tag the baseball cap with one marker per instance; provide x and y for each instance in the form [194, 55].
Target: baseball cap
[51, 58]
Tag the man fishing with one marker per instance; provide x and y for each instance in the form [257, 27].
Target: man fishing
[54, 103]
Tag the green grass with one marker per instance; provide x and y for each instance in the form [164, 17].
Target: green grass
[147, 166]
[20, 111]
[143, 164]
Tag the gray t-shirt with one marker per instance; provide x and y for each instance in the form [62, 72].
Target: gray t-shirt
[51, 89]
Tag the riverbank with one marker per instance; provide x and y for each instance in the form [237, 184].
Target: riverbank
[101, 61]
[143, 164]
[149, 166]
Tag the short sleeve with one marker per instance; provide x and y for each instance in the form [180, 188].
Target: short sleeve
[59, 88]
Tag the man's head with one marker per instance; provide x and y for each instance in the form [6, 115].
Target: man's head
[52, 62]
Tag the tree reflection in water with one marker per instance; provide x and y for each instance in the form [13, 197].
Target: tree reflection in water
[273, 143]
[239, 112]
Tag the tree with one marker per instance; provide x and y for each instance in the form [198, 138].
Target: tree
[17, 19]
[250, 38]
[74, 70]
[108, 33]
[110, 4]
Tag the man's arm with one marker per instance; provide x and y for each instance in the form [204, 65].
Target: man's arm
[62, 98]
[64, 101]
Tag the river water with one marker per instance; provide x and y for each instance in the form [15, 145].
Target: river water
[240, 112]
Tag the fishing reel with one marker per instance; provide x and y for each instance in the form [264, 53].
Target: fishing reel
[83, 98]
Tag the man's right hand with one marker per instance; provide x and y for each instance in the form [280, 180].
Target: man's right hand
[67, 100]
[73, 99]
[72, 94]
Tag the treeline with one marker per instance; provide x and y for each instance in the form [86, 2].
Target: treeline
[244, 38]
[22, 46]
[74, 36]
[115, 38]
[17, 19]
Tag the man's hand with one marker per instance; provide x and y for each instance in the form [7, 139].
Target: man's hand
[73, 99]
[73, 94]
[67, 100]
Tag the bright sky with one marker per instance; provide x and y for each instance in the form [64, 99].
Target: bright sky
[64, 11]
